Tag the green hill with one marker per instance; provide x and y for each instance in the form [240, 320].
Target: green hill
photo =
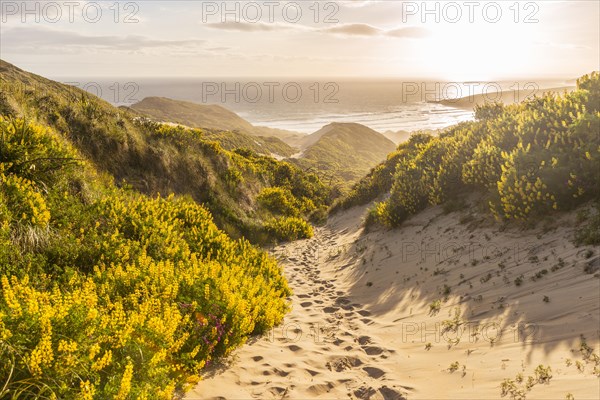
[342, 153]
[215, 117]
[159, 158]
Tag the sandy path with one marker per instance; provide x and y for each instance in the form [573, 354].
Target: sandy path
[320, 351]
[361, 325]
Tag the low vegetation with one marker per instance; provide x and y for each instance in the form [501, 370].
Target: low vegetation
[379, 181]
[526, 160]
[109, 293]
[518, 388]
[289, 228]
[155, 158]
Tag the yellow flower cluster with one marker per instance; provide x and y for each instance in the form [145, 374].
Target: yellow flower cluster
[170, 293]
[125, 387]
[27, 204]
[42, 355]
[87, 390]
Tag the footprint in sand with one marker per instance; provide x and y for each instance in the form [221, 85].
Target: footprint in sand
[306, 304]
[390, 394]
[342, 300]
[317, 390]
[373, 372]
[294, 348]
[364, 392]
[330, 310]
[344, 363]
[372, 350]
[364, 340]
[280, 372]
[257, 358]
[278, 391]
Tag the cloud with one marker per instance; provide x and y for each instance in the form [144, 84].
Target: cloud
[247, 26]
[369, 30]
[357, 3]
[26, 39]
[219, 48]
[408, 32]
[354, 30]
[357, 29]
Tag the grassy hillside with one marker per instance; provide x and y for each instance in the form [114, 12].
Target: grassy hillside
[379, 180]
[208, 116]
[111, 286]
[342, 153]
[191, 114]
[108, 293]
[267, 145]
[154, 158]
[527, 161]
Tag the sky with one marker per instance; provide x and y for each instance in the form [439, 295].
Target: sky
[452, 41]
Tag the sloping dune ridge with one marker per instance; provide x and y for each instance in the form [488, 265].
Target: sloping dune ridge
[449, 306]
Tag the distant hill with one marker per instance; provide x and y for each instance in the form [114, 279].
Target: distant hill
[339, 152]
[205, 116]
[397, 137]
[154, 158]
[505, 97]
[344, 152]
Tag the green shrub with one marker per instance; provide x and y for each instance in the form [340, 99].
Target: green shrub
[279, 201]
[529, 159]
[588, 232]
[32, 151]
[289, 228]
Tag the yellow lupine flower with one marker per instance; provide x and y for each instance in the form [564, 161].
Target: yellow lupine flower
[67, 346]
[93, 352]
[103, 361]
[9, 296]
[88, 390]
[125, 383]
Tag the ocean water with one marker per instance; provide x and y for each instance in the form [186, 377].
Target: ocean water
[307, 105]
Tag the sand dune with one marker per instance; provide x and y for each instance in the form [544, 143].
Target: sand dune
[446, 307]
